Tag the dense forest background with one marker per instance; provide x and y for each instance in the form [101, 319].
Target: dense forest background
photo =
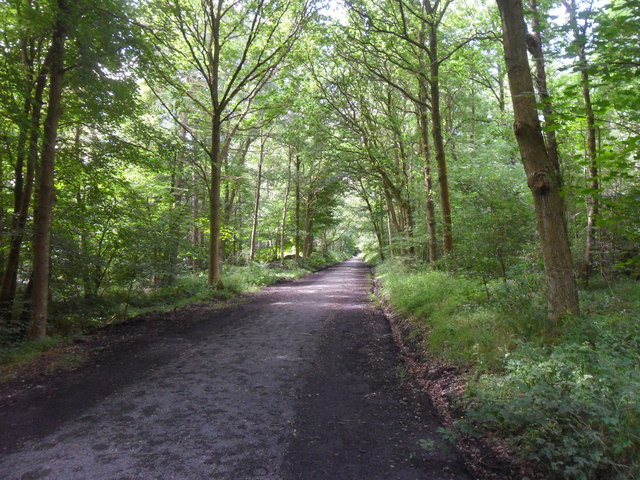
[165, 151]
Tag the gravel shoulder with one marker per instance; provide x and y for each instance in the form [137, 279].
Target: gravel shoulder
[299, 381]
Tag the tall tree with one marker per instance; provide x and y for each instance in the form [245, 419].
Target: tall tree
[80, 58]
[285, 206]
[419, 27]
[580, 33]
[256, 204]
[423, 126]
[45, 196]
[234, 48]
[543, 178]
[28, 144]
[536, 48]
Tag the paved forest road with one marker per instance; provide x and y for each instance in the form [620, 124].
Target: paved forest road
[302, 382]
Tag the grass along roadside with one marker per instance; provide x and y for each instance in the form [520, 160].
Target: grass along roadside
[76, 318]
[568, 400]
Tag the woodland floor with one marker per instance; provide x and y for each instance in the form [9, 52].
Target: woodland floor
[299, 381]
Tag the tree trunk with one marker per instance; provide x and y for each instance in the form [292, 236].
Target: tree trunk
[536, 50]
[168, 277]
[216, 157]
[196, 233]
[88, 283]
[409, 225]
[392, 221]
[501, 101]
[23, 190]
[46, 193]
[438, 142]
[395, 221]
[88, 270]
[593, 205]
[423, 125]
[297, 248]
[376, 226]
[390, 235]
[404, 202]
[10, 274]
[542, 176]
[283, 221]
[215, 273]
[256, 205]
[307, 246]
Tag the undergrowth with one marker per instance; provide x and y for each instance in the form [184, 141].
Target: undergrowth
[77, 314]
[18, 354]
[567, 398]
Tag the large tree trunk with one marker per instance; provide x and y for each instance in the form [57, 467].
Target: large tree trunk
[216, 156]
[542, 176]
[256, 205]
[307, 246]
[283, 221]
[215, 270]
[23, 190]
[423, 125]
[438, 141]
[46, 193]
[536, 50]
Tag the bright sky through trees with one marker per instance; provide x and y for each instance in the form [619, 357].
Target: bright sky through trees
[336, 9]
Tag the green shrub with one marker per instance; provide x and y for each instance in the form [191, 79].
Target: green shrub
[77, 314]
[462, 322]
[575, 409]
[568, 398]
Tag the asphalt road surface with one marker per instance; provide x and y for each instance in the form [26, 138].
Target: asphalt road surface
[300, 382]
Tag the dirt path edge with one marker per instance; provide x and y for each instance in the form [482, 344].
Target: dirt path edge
[77, 351]
[487, 458]
[80, 351]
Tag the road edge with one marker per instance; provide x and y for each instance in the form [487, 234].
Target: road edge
[487, 458]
